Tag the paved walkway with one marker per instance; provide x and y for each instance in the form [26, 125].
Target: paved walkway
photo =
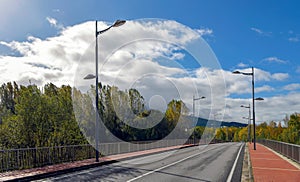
[29, 174]
[268, 166]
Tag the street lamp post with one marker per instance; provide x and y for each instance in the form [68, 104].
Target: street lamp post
[194, 99]
[253, 104]
[90, 76]
[249, 122]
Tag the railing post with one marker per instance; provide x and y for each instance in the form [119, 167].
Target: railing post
[49, 157]
[73, 153]
[7, 161]
[299, 154]
[293, 157]
[18, 159]
[34, 160]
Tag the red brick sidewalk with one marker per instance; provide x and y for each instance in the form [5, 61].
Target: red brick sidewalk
[72, 166]
[268, 166]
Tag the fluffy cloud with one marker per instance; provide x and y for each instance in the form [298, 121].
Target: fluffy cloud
[271, 108]
[280, 76]
[291, 87]
[261, 75]
[147, 55]
[265, 88]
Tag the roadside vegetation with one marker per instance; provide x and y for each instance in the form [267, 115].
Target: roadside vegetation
[42, 117]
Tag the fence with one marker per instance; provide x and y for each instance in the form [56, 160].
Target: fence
[291, 151]
[24, 158]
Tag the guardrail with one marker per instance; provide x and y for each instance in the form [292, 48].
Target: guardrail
[291, 151]
[24, 158]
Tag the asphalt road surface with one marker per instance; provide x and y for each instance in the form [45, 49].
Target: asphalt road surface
[215, 162]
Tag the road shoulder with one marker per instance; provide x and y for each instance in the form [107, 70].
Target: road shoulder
[247, 175]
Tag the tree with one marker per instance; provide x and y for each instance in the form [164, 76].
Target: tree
[243, 134]
[220, 134]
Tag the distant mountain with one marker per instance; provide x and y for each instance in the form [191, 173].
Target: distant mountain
[214, 123]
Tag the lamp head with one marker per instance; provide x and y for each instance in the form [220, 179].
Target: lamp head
[236, 72]
[89, 76]
[119, 23]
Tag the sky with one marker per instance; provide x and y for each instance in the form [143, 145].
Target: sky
[53, 41]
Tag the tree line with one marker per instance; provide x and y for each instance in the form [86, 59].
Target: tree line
[289, 133]
[41, 117]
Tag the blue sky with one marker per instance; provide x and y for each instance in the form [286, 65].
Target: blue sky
[263, 34]
[243, 31]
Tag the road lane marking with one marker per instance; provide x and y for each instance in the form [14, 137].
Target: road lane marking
[265, 159]
[234, 165]
[166, 166]
[278, 169]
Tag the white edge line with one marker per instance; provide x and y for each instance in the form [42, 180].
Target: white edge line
[163, 167]
[234, 165]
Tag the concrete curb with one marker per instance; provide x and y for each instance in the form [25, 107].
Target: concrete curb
[247, 174]
[64, 171]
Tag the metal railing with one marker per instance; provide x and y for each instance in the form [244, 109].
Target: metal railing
[25, 158]
[291, 151]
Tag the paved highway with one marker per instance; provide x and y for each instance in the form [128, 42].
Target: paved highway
[216, 162]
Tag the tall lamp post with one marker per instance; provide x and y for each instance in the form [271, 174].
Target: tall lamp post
[91, 76]
[194, 99]
[253, 104]
[249, 122]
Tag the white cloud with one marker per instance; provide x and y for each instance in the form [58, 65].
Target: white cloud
[58, 55]
[292, 86]
[276, 107]
[204, 31]
[56, 10]
[280, 76]
[271, 108]
[294, 39]
[257, 30]
[242, 65]
[127, 59]
[261, 75]
[265, 88]
[275, 60]
[53, 22]
[261, 32]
